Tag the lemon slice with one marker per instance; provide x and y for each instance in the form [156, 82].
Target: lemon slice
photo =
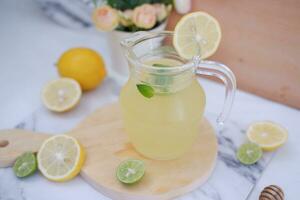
[60, 158]
[61, 95]
[197, 34]
[268, 135]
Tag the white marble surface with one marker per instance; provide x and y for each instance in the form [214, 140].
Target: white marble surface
[30, 45]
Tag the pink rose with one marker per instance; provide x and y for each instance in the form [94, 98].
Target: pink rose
[105, 18]
[144, 16]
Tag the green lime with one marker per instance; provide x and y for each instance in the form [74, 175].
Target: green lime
[130, 171]
[249, 153]
[25, 165]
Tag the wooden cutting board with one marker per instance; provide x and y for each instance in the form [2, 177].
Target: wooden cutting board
[107, 145]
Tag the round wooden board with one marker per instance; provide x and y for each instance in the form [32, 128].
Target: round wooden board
[107, 145]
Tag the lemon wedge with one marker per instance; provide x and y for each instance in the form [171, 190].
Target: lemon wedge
[197, 34]
[268, 135]
[61, 94]
[60, 158]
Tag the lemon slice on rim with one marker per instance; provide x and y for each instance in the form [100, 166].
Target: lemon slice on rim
[61, 94]
[197, 34]
[268, 135]
[60, 158]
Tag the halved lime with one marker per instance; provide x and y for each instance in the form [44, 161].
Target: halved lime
[130, 171]
[25, 165]
[249, 153]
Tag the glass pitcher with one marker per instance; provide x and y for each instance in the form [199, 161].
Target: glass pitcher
[162, 103]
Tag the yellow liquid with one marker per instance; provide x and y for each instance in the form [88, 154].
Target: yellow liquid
[165, 126]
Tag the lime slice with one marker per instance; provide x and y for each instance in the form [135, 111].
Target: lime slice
[197, 34]
[268, 135]
[249, 153]
[25, 165]
[130, 171]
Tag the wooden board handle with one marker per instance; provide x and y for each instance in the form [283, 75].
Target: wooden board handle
[14, 142]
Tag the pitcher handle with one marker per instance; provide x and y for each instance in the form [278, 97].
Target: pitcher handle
[222, 72]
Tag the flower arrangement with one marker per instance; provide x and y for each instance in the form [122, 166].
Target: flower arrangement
[131, 15]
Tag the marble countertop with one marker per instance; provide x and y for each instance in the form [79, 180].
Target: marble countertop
[30, 45]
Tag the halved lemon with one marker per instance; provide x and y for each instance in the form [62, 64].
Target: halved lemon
[61, 94]
[197, 34]
[60, 158]
[268, 135]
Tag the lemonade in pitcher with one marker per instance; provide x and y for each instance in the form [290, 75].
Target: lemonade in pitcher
[162, 102]
[165, 125]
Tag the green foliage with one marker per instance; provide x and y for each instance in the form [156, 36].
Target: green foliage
[134, 28]
[131, 28]
[131, 4]
[162, 1]
[126, 4]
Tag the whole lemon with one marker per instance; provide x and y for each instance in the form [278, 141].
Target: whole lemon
[84, 65]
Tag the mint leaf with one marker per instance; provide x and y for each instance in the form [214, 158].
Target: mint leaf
[160, 65]
[164, 80]
[146, 90]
